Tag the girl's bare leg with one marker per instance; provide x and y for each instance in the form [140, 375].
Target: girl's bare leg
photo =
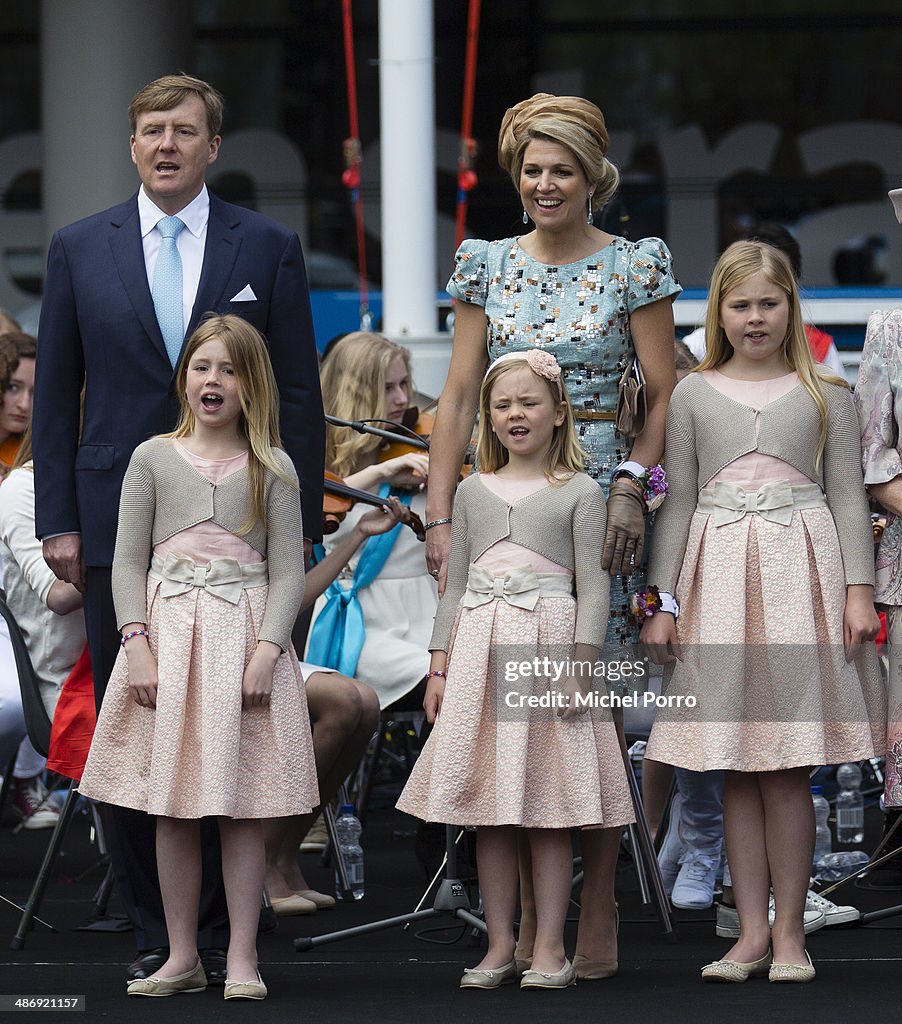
[789, 835]
[242, 875]
[744, 831]
[496, 857]
[179, 868]
[526, 934]
[552, 875]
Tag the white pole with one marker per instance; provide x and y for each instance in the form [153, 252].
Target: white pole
[407, 164]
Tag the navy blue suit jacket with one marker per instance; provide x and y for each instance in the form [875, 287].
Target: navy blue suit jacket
[98, 325]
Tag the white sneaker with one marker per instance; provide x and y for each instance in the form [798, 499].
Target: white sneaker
[727, 920]
[834, 914]
[694, 885]
[672, 849]
[34, 803]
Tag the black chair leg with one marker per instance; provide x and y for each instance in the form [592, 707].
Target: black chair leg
[40, 883]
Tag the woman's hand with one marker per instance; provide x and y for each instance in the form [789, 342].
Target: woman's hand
[142, 672]
[435, 695]
[438, 547]
[625, 533]
[256, 686]
[659, 638]
[860, 622]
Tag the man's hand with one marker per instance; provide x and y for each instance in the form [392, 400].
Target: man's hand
[64, 556]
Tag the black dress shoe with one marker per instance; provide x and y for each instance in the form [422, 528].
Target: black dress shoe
[214, 961]
[148, 962]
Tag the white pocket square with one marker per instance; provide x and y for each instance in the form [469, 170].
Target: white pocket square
[245, 295]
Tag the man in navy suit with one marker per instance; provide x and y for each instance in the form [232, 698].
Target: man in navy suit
[99, 329]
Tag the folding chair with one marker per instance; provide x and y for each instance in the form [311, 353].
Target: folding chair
[38, 725]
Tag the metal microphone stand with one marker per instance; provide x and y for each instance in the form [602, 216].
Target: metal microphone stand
[451, 898]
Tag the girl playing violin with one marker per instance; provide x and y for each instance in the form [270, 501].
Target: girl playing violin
[367, 377]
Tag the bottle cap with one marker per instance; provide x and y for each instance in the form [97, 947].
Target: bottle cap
[346, 809]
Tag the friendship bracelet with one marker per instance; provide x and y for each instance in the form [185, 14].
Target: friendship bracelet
[437, 674]
[436, 522]
[137, 632]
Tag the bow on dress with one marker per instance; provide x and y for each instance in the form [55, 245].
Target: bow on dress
[518, 586]
[772, 501]
[222, 577]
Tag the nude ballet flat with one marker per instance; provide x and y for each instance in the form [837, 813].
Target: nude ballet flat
[563, 978]
[319, 899]
[494, 978]
[292, 906]
[792, 972]
[733, 970]
[245, 989]
[194, 980]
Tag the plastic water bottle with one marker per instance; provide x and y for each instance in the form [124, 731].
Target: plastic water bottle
[348, 828]
[849, 805]
[823, 843]
[834, 866]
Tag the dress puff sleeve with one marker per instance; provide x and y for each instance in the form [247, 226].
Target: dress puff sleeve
[878, 397]
[470, 280]
[650, 274]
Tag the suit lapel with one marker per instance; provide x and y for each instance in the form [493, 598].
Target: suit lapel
[220, 252]
[128, 254]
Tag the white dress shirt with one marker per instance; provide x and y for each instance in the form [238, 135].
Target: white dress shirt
[190, 242]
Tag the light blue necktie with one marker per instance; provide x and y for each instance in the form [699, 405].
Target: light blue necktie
[167, 287]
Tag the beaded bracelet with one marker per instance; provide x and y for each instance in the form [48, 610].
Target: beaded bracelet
[437, 674]
[136, 632]
[436, 522]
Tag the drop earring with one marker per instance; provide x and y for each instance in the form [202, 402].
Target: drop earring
[590, 217]
[525, 217]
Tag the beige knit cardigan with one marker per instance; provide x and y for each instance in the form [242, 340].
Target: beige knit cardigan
[163, 494]
[706, 431]
[563, 522]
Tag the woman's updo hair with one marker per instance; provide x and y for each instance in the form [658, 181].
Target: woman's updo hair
[570, 121]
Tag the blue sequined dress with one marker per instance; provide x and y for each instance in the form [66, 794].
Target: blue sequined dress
[580, 312]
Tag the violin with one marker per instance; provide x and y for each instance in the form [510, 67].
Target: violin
[338, 499]
[422, 424]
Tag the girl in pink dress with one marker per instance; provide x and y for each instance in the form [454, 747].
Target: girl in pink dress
[205, 712]
[765, 540]
[527, 534]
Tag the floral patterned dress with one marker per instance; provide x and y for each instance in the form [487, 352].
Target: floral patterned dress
[579, 312]
[878, 399]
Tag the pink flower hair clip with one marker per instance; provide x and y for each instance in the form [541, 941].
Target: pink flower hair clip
[542, 363]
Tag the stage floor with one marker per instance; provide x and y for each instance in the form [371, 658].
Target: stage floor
[396, 976]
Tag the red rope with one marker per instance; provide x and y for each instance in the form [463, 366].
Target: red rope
[352, 156]
[466, 176]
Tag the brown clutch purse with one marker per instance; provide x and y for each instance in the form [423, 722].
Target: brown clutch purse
[631, 401]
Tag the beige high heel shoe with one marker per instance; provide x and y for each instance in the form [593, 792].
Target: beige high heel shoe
[596, 970]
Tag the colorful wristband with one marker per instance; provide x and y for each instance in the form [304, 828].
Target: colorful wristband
[136, 632]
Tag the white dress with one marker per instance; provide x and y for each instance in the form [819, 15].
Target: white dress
[398, 608]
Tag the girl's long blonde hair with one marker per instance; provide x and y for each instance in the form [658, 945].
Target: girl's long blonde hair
[258, 396]
[564, 453]
[738, 263]
[352, 378]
